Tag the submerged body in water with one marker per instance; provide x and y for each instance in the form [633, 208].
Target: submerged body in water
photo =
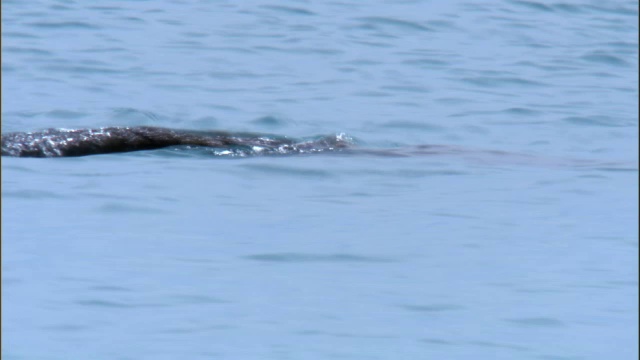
[107, 140]
[82, 142]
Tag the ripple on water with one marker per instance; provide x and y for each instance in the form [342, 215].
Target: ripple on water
[25, 50]
[433, 307]
[377, 22]
[537, 322]
[84, 69]
[119, 208]
[32, 194]
[136, 116]
[270, 122]
[598, 120]
[196, 299]
[66, 114]
[411, 125]
[604, 58]
[316, 258]
[63, 25]
[500, 81]
[289, 10]
[105, 304]
[289, 171]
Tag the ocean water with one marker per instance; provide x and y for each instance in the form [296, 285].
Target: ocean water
[519, 243]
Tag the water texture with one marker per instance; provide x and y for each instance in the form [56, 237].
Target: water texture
[491, 214]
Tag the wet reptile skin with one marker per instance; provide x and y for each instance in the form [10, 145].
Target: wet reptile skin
[81, 142]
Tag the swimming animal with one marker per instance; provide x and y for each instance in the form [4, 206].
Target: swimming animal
[81, 142]
[106, 140]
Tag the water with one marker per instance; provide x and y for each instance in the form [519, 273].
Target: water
[527, 254]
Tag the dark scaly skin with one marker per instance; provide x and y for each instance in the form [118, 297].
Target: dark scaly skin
[81, 142]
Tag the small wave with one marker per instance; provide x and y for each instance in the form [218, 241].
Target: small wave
[289, 10]
[374, 21]
[537, 322]
[64, 25]
[306, 258]
[605, 59]
[595, 120]
[494, 82]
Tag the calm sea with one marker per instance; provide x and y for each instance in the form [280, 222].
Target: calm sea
[523, 245]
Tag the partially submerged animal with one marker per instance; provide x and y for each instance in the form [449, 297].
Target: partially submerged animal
[81, 142]
[106, 140]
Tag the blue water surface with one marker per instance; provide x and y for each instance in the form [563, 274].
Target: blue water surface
[520, 244]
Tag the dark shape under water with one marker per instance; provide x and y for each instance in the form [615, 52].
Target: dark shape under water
[81, 142]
